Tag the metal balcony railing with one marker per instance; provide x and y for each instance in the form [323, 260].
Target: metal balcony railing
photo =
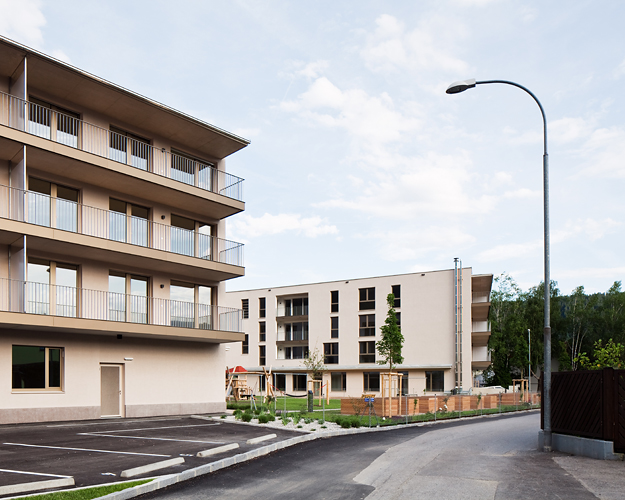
[45, 210]
[56, 126]
[69, 302]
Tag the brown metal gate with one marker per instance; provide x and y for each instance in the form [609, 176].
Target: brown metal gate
[619, 431]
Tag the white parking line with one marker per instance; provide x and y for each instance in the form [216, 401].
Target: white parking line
[87, 449]
[120, 421]
[148, 438]
[31, 473]
[156, 428]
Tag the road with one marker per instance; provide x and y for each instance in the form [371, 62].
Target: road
[491, 458]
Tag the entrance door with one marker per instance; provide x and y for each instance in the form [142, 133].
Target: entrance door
[110, 391]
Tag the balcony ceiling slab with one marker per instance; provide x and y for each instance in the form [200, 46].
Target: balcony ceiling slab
[53, 324]
[479, 311]
[9, 149]
[480, 339]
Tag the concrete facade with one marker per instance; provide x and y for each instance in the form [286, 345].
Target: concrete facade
[113, 254]
[429, 306]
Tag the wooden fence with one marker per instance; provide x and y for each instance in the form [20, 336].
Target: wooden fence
[589, 403]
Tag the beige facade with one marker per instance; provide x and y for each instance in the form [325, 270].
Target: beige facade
[341, 319]
[113, 249]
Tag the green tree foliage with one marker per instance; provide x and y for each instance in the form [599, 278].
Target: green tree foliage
[314, 364]
[608, 356]
[392, 341]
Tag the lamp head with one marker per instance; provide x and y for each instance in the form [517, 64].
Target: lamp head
[461, 86]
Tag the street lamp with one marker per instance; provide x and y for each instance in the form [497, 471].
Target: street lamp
[456, 88]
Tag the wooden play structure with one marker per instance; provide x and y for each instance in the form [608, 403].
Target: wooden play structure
[390, 387]
[316, 386]
[238, 385]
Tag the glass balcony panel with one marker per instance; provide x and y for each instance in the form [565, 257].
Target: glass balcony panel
[38, 298]
[140, 154]
[117, 226]
[39, 120]
[182, 314]
[182, 241]
[67, 130]
[67, 215]
[117, 307]
[139, 231]
[39, 209]
[118, 147]
[182, 169]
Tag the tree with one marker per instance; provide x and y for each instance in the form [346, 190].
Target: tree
[390, 345]
[314, 364]
[608, 356]
[580, 313]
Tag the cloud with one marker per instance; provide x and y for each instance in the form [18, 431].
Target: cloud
[603, 154]
[247, 226]
[430, 46]
[22, 21]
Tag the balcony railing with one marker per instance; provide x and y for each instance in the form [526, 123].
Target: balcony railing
[69, 302]
[45, 210]
[58, 127]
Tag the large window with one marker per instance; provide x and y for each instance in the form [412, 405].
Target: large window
[338, 381]
[245, 305]
[331, 353]
[262, 331]
[367, 298]
[36, 367]
[371, 381]
[245, 346]
[128, 293]
[51, 122]
[262, 355]
[334, 327]
[182, 235]
[191, 170]
[296, 307]
[334, 301]
[435, 381]
[120, 214]
[62, 301]
[279, 381]
[41, 197]
[367, 325]
[262, 307]
[396, 290]
[299, 382]
[296, 352]
[121, 142]
[367, 352]
[296, 331]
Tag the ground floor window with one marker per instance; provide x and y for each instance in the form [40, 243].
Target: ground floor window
[279, 381]
[371, 381]
[37, 367]
[435, 381]
[403, 381]
[339, 381]
[299, 382]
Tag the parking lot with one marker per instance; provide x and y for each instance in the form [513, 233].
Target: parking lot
[96, 452]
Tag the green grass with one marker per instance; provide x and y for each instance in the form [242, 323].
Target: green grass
[87, 493]
[292, 404]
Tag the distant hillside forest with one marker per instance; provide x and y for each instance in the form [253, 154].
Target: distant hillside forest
[588, 331]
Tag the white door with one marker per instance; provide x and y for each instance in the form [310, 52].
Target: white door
[111, 391]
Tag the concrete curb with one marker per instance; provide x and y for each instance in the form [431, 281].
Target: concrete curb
[168, 480]
[216, 451]
[36, 486]
[137, 471]
[260, 439]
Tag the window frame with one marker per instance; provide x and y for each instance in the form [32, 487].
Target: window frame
[367, 352]
[245, 307]
[429, 382]
[331, 353]
[245, 345]
[262, 307]
[394, 289]
[334, 327]
[47, 388]
[334, 304]
[366, 299]
[366, 381]
[262, 331]
[262, 355]
[299, 377]
[342, 384]
[367, 330]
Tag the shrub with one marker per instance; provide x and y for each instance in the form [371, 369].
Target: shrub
[286, 420]
[355, 422]
[321, 421]
[263, 418]
[246, 417]
[257, 411]
[299, 426]
[224, 416]
[237, 414]
[345, 424]
[271, 417]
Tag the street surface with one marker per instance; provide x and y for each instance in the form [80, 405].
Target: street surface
[490, 458]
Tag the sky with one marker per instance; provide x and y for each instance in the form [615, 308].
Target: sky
[360, 164]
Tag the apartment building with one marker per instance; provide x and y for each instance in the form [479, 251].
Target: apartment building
[113, 250]
[443, 316]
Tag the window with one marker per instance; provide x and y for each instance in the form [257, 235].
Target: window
[128, 291]
[262, 307]
[262, 329]
[371, 381]
[296, 307]
[299, 382]
[63, 299]
[262, 358]
[296, 331]
[435, 381]
[36, 367]
[367, 352]
[279, 381]
[120, 213]
[121, 141]
[296, 352]
[334, 301]
[396, 290]
[182, 235]
[54, 123]
[245, 305]
[191, 170]
[403, 382]
[367, 298]
[334, 327]
[398, 316]
[41, 197]
[367, 325]
[245, 346]
[338, 381]
[331, 353]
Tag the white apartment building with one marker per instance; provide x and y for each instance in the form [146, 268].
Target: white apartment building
[113, 254]
[443, 317]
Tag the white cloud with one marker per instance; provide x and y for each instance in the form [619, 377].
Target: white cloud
[604, 154]
[620, 70]
[22, 21]
[476, 3]
[430, 46]
[246, 226]
[61, 56]
[509, 251]
[569, 129]
[590, 228]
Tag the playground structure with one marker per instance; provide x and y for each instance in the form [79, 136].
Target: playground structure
[316, 386]
[237, 386]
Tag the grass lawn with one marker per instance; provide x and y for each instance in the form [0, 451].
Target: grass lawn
[292, 404]
[87, 493]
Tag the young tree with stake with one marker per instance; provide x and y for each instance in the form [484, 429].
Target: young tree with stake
[390, 345]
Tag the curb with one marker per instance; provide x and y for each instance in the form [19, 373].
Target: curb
[36, 486]
[171, 479]
[137, 471]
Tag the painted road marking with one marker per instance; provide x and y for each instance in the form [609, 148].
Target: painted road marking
[103, 422]
[87, 449]
[31, 473]
[148, 439]
[158, 428]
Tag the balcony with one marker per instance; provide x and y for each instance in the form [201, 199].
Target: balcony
[140, 315]
[65, 215]
[55, 126]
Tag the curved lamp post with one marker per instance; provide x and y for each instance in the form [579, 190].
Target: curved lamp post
[456, 88]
